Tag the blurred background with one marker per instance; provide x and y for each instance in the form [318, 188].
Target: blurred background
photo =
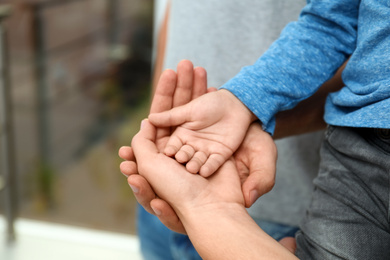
[75, 83]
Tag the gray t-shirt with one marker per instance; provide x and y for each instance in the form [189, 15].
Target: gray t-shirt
[224, 36]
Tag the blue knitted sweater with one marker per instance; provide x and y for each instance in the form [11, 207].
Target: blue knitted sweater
[310, 51]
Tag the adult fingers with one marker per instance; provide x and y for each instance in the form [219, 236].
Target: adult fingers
[142, 190]
[185, 79]
[147, 198]
[163, 96]
[128, 168]
[290, 243]
[167, 215]
[126, 153]
[200, 82]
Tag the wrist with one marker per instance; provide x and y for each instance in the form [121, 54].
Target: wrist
[226, 231]
[197, 217]
[239, 105]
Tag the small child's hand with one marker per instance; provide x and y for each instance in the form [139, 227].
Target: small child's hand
[210, 129]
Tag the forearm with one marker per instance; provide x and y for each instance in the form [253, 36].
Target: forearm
[228, 232]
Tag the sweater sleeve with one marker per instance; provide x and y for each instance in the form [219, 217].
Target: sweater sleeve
[307, 53]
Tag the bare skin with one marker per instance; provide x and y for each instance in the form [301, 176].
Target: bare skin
[202, 139]
[309, 112]
[215, 220]
[252, 188]
[257, 176]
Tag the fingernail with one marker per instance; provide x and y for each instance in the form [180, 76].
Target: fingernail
[254, 195]
[134, 189]
[156, 211]
[143, 123]
[126, 175]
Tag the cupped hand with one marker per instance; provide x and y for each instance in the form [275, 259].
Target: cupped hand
[172, 90]
[173, 183]
[256, 163]
[254, 158]
[209, 130]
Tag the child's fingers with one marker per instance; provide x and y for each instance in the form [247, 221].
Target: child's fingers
[185, 154]
[211, 165]
[185, 77]
[174, 117]
[196, 162]
[200, 82]
[173, 146]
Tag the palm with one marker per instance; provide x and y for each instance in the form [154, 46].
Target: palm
[172, 90]
[226, 178]
[174, 184]
[207, 134]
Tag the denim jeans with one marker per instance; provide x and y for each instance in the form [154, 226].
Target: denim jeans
[160, 243]
[349, 214]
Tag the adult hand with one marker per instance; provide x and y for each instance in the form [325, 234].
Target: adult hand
[173, 183]
[172, 90]
[256, 163]
[209, 130]
[215, 219]
[255, 158]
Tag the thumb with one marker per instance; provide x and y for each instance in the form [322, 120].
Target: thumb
[143, 143]
[174, 117]
[257, 184]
